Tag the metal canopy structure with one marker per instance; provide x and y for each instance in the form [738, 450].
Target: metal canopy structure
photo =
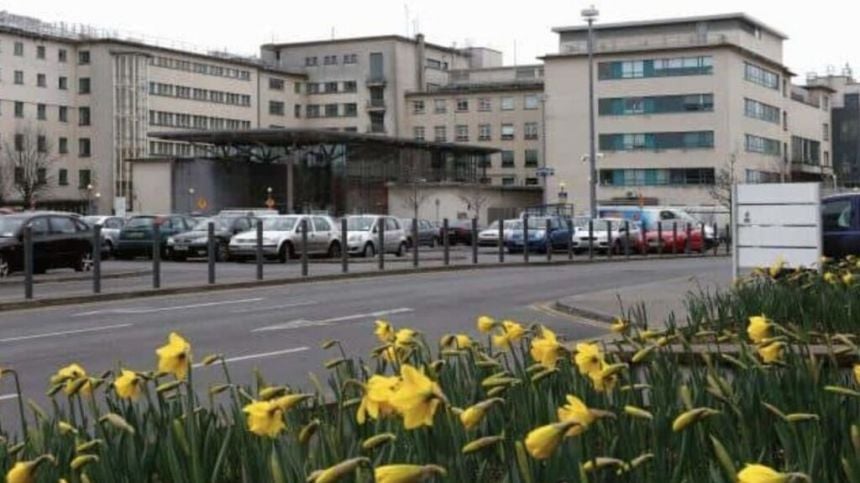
[342, 172]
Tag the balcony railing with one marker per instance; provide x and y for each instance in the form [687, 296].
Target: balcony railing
[376, 80]
[376, 104]
[655, 42]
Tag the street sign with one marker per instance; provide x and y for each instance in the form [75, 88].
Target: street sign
[270, 202]
[776, 222]
[543, 172]
[202, 203]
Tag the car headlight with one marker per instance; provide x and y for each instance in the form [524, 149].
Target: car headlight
[269, 241]
[202, 239]
[537, 235]
[171, 241]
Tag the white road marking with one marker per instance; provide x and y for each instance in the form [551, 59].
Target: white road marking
[8, 396]
[275, 307]
[136, 311]
[295, 324]
[261, 355]
[64, 332]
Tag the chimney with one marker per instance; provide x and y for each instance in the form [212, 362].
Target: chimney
[422, 62]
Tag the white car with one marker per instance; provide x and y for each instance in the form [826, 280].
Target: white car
[282, 238]
[363, 235]
[489, 237]
[600, 235]
[111, 226]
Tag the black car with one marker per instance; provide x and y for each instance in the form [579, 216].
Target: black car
[136, 237]
[840, 215]
[428, 235]
[460, 231]
[59, 241]
[195, 243]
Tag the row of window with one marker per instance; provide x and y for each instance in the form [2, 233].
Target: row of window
[189, 121]
[805, 151]
[23, 143]
[333, 87]
[84, 84]
[204, 95]
[485, 104]
[668, 67]
[62, 54]
[313, 61]
[657, 177]
[84, 114]
[84, 177]
[760, 110]
[762, 145]
[314, 111]
[761, 76]
[626, 106]
[657, 141]
[461, 132]
[184, 150]
[755, 176]
[530, 159]
[200, 68]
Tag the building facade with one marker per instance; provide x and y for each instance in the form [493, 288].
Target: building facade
[682, 105]
[845, 127]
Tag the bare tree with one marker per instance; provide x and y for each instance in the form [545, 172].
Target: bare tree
[721, 191]
[28, 159]
[475, 198]
[416, 196]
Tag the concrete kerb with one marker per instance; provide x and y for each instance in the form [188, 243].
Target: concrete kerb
[584, 313]
[274, 282]
[76, 278]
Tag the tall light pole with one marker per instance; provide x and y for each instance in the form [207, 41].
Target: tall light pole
[590, 15]
[191, 192]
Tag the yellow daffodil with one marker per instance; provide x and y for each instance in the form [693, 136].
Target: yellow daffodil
[486, 324]
[776, 267]
[602, 381]
[755, 473]
[416, 398]
[575, 411]
[338, 471]
[265, 418]
[404, 337]
[384, 331]
[542, 442]
[759, 328]
[289, 401]
[406, 473]
[72, 376]
[174, 357]
[692, 416]
[830, 277]
[511, 332]
[545, 348]
[588, 358]
[848, 278]
[457, 341]
[771, 353]
[128, 384]
[619, 326]
[376, 402]
[472, 416]
[25, 471]
[857, 374]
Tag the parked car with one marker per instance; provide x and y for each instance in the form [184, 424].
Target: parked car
[256, 212]
[657, 222]
[363, 235]
[539, 238]
[282, 238]
[136, 237]
[195, 243]
[840, 216]
[489, 237]
[599, 236]
[428, 235]
[59, 241]
[111, 226]
[460, 232]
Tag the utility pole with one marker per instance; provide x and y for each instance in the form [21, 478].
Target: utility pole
[590, 15]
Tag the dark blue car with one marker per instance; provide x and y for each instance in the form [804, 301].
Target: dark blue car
[840, 215]
[540, 240]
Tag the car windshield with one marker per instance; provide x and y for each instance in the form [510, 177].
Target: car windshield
[534, 224]
[580, 222]
[92, 220]
[493, 226]
[141, 222]
[221, 224]
[9, 226]
[279, 223]
[360, 223]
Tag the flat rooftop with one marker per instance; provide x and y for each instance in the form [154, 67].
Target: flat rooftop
[672, 21]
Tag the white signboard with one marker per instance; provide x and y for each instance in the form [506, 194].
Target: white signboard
[774, 222]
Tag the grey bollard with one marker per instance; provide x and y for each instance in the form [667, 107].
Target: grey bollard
[381, 242]
[344, 243]
[259, 250]
[28, 262]
[627, 238]
[304, 229]
[548, 227]
[210, 251]
[415, 242]
[526, 238]
[501, 241]
[688, 239]
[446, 255]
[474, 241]
[570, 239]
[156, 255]
[591, 239]
[610, 242]
[674, 238]
[97, 259]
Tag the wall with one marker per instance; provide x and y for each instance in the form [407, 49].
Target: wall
[452, 206]
[151, 179]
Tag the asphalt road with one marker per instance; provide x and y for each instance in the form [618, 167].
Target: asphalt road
[280, 329]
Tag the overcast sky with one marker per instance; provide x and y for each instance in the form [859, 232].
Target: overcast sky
[821, 34]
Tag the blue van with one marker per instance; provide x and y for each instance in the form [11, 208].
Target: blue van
[840, 217]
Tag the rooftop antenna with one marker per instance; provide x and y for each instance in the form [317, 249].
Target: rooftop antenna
[406, 11]
[847, 71]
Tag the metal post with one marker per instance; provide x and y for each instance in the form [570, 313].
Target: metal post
[728, 238]
[643, 236]
[733, 233]
[688, 242]
[526, 238]
[610, 242]
[446, 245]
[259, 250]
[569, 239]
[380, 224]
[674, 238]
[627, 238]
[28, 262]
[501, 241]
[703, 249]
[592, 150]
[591, 239]
[660, 238]
[344, 244]
[415, 242]
[475, 241]
[210, 251]
[304, 247]
[97, 259]
[716, 239]
[548, 240]
[156, 255]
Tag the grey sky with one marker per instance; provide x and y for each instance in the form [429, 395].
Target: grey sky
[821, 33]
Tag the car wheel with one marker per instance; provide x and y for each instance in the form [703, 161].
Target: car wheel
[5, 270]
[109, 250]
[84, 262]
[401, 250]
[285, 253]
[222, 252]
[334, 250]
[369, 251]
[432, 242]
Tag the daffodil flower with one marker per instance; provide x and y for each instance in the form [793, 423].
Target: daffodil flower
[510, 332]
[575, 411]
[128, 385]
[416, 398]
[759, 328]
[545, 348]
[486, 324]
[376, 402]
[175, 356]
[406, 473]
[265, 418]
[588, 358]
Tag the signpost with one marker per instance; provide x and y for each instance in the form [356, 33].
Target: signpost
[772, 222]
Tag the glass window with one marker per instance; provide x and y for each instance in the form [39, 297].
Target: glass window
[62, 225]
[84, 85]
[837, 215]
[439, 133]
[440, 106]
[484, 132]
[39, 226]
[507, 159]
[508, 132]
[507, 103]
[19, 49]
[19, 77]
[417, 107]
[462, 105]
[418, 133]
[531, 101]
[462, 133]
[276, 84]
[84, 57]
[276, 108]
[391, 224]
[531, 158]
[485, 104]
[321, 224]
[530, 130]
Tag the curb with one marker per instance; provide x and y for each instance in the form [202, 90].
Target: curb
[76, 278]
[589, 314]
[274, 282]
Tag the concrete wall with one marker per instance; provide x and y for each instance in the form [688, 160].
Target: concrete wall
[451, 204]
[153, 187]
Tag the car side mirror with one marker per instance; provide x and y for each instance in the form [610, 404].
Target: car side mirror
[375, 230]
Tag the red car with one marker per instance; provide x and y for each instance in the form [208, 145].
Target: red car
[672, 244]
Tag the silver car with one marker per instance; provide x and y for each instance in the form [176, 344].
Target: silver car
[363, 235]
[111, 226]
[282, 238]
[489, 237]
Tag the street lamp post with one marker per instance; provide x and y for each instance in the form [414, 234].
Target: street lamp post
[590, 15]
[90, 198]
[191, 192]
[562, 193]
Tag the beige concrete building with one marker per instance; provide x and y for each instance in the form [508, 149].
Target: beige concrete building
[678, 102]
